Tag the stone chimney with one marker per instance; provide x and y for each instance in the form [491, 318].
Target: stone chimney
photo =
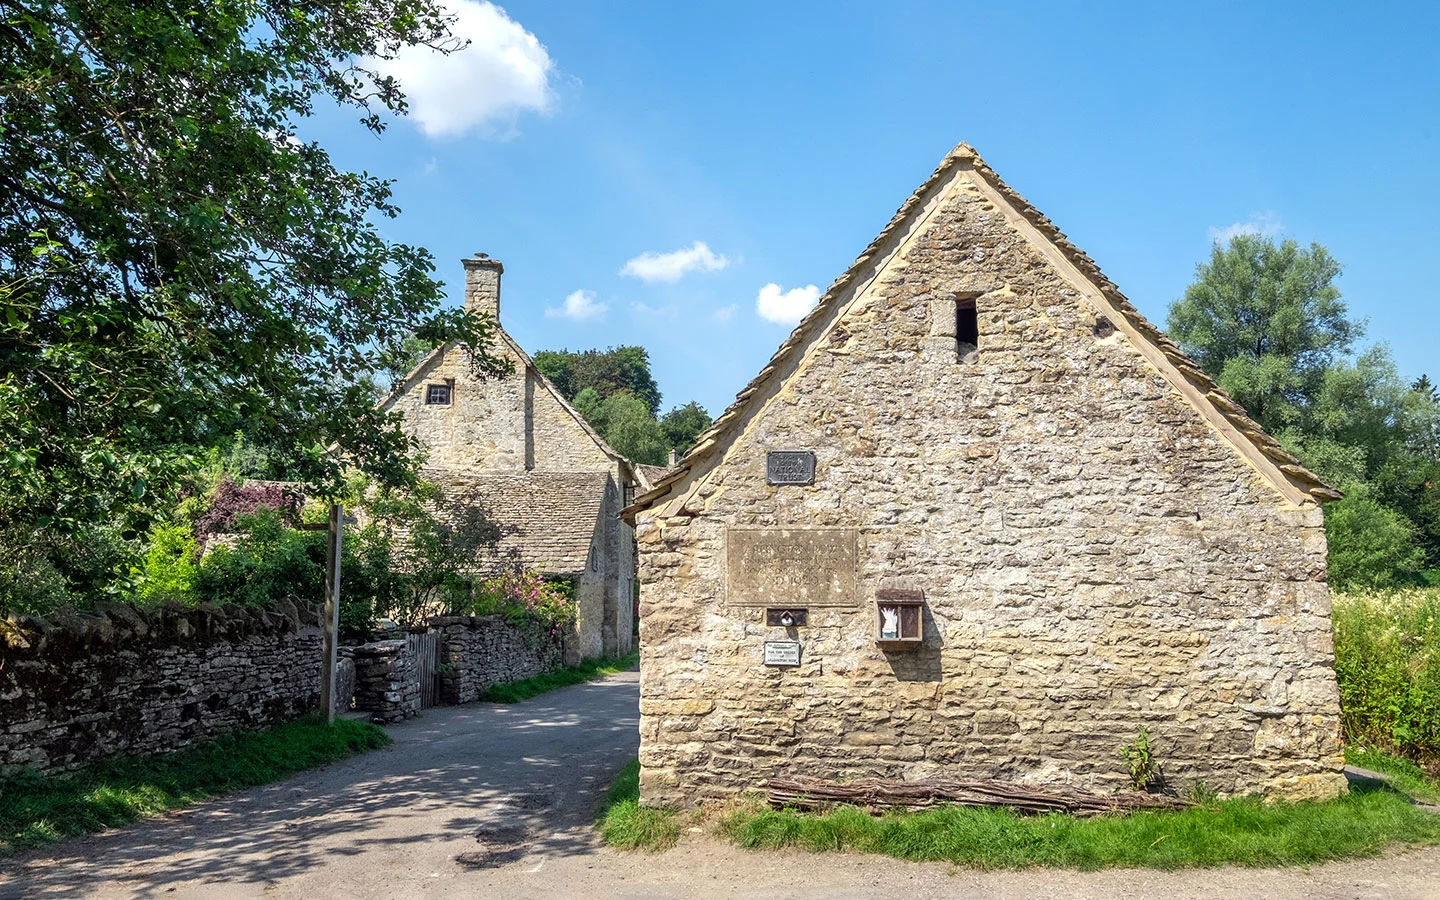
[482, 284]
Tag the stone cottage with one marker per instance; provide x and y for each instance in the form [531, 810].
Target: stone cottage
[979, 518]
[548, 481]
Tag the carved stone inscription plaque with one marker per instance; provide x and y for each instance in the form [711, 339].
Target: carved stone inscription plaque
[790, 467]
[790, 567]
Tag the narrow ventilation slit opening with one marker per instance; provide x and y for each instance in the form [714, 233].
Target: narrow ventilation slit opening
[967, 327]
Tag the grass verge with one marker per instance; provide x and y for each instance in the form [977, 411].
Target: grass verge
[626, 825]
[587, 670]
[1406, 776]
[1245, 832]
[36, 810]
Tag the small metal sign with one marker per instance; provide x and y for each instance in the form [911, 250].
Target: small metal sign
[790, 467]
[782, 653]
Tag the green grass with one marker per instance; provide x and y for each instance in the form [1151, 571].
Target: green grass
[626, 825]
[1405, 775]
[36, 810]
[1246, 832]
[587, 670]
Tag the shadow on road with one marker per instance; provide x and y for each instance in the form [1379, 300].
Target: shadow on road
[477, 785]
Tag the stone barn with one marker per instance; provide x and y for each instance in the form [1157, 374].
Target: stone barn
[978, 518]
[543, 475]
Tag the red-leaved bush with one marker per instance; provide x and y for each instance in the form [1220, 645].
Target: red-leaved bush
[229, 501]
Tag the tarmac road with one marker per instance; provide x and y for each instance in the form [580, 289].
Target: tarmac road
[492, 801]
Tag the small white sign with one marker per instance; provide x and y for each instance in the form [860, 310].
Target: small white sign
[782, 653]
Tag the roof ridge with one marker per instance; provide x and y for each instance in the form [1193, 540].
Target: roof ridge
[964, 153]
[1226, 405]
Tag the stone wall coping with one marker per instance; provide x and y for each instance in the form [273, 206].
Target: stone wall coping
[116, 625]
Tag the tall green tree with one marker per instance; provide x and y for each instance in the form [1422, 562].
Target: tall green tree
[682, 425]
[176, 265]
[608, 372]
[1267, 322]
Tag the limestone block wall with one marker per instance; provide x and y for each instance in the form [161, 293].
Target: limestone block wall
[479, 651]
[387, 681]
[1095, 558]
[80, 686]
[484, 428]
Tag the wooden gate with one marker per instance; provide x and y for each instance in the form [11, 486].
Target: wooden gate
[424, 649]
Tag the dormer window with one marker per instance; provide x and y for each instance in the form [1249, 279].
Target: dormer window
[437, 394]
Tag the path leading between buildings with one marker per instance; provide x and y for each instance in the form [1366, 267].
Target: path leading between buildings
[492, 801]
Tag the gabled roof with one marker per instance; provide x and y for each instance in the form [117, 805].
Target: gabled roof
[404, 384]
[546, 519]
[1290, 478]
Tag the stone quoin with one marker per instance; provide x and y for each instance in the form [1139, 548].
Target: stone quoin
[1087, 536]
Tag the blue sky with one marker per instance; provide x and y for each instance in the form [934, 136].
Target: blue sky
[571, 138]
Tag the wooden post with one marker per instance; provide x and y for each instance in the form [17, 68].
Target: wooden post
[330, 627]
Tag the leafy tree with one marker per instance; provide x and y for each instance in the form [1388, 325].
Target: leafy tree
[176, 265]
[632, 430]
[1267, 323]
[608, 372]
[683, 424]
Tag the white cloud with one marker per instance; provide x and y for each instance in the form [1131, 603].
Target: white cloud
[786, 307]
[665, 312]
[726, 313]
[579, 305]
[1264, 223]
[502, 72]
[431, 167]
[698, 257]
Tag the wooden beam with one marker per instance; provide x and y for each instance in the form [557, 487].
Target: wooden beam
[330, 626]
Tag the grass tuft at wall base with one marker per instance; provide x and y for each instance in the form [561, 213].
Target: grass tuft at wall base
[36, 810]
[516, 691]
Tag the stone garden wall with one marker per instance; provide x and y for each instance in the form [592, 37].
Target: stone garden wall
[77, 687]
[479, 651]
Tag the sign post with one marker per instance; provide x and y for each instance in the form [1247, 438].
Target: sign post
[330, 626]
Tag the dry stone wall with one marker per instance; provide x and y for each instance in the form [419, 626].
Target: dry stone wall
[477, 652]
[81, 686]
[1095, 558]
[387, 681]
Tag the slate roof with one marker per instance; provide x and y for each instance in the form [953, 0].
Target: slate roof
[546, 519]
[720, 433]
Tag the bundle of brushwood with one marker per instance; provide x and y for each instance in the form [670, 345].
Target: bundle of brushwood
[878, 795]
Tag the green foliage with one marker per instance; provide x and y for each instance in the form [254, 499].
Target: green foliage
[1266, 322]
[1140, 760]
[616, 394]
[587, 670]
[268, 562]
[1387, 663]
[682, 425]
[42, 571]
[626, 825]
[1247, 832]
[613, 371]
[523, 596]
[1402, 774]
[176, 266]
[1370, 545]
[169, 568]
[632, 431]
[36, 810]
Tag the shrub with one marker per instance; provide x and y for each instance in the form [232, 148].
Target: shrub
[267, 562]
[1371, 545]
[230, 501]
[168, 569]
[522, 595]
[1387, 662]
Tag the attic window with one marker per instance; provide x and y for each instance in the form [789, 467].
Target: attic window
[437, 395]
[967, 327]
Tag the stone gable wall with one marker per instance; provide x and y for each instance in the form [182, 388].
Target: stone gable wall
[1095, 559]
[78, 687]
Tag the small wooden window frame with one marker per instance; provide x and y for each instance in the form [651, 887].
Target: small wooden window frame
[907, 603]
[439, 393]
